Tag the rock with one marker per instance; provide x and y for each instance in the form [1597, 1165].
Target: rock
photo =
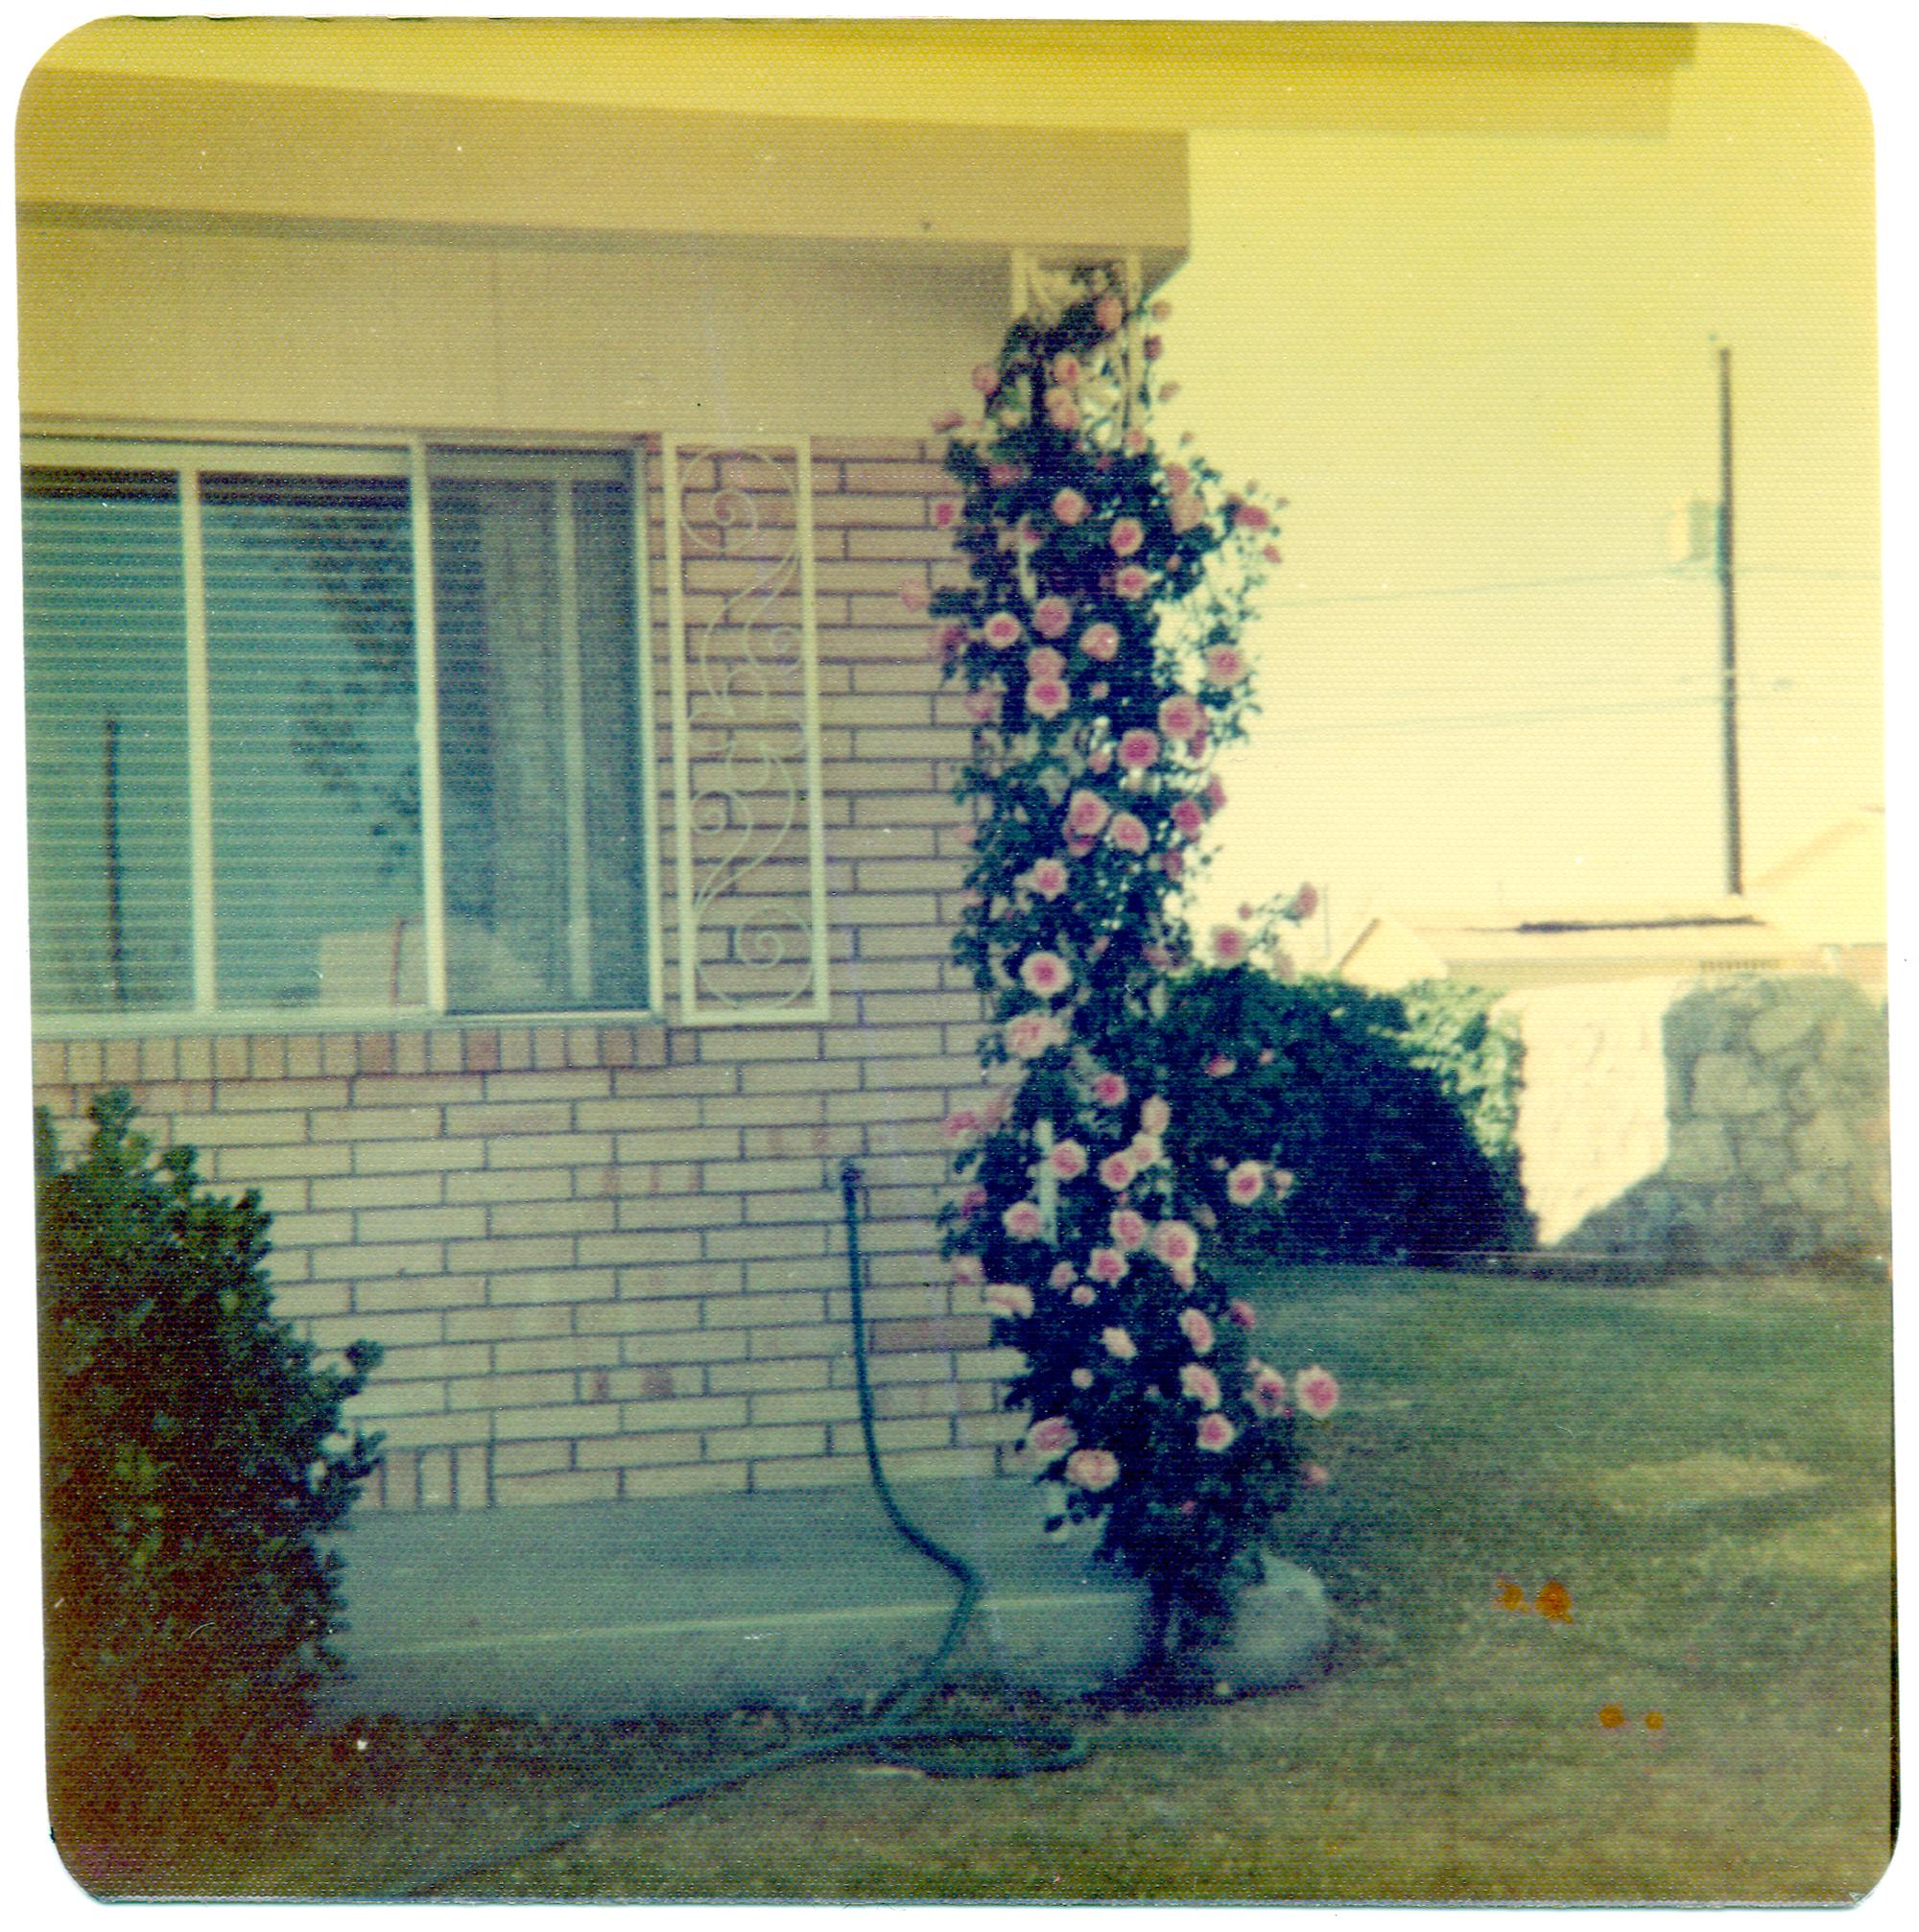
[1726, 1083]
[1700, 1151]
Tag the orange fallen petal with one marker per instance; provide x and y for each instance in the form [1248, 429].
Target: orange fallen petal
[1611, 1716]
[1512, 1598]
[1654, 1721]
[1555, 1603]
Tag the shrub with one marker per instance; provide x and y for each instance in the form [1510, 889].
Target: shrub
[1323, 1078]
[191, 1457]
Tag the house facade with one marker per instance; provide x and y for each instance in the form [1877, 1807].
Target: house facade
[486, 790]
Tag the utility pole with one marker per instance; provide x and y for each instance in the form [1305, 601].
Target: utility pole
[1729, 651]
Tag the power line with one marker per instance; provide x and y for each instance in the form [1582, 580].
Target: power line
[1670, 573]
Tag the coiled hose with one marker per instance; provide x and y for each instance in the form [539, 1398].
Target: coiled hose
[883, 1736]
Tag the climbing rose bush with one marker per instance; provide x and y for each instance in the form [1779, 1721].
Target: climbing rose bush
[1096, 645]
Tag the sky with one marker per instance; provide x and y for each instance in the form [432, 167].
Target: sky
[1484, 369]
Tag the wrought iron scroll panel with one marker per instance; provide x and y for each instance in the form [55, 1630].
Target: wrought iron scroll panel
[748, 836]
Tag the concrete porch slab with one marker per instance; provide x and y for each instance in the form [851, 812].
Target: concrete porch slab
[796, 1597]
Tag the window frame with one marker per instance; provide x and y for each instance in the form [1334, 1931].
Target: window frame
[416, 458]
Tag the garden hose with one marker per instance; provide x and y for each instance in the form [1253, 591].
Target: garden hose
[886, 1738]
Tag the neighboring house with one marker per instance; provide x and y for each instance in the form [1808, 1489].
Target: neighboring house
[1831, 892]
[486, 790]
[1505, 951]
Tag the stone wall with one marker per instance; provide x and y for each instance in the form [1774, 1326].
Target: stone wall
[1716, 1121]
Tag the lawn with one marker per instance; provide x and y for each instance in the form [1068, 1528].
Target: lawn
[1703, 1465]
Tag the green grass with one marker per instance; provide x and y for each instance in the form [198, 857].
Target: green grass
[1703, 1464]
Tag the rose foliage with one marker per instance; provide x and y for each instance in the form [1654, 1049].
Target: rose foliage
[1097, 642]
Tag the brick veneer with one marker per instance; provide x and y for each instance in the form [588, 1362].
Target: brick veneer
[609, 1261]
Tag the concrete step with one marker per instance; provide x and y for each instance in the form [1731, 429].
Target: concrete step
[798, 1598]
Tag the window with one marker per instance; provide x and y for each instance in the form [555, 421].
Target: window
[345, 733]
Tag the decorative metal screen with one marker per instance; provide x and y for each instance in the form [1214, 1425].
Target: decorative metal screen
[748, 842]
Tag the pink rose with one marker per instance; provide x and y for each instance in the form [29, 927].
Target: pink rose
[1081, 1379]
[961, 1124]
[946, 642]
[1118, 1344]
[945, 513]
[1052, 616]
[1215, 1433]
[1130, 1232]
[1046, 974]
[1176, 1243]
[1011, 1298]
[1197, 1329]
[1188, 818]
[1048, 696]
[1127, 535]
[1168, 390]
[1004, 476]
[983, 706]
[1061, 1276]
[1099, 761]
[1135, 442]
[1315, 1392]
[1221, 1065]
[914, 594]
[1153, 345]
[1070, 507]
[1002, 630]
[1116, 1172]
[1082, 1297]
[1145, 1150]
[1067, 1159]
[1316, 1477]
[1100, 641]
[1229, 943]
[1242, 1313]
[1048, 878]
[1092, 1469]
[1271, 552]
[1110, 1090]
[1131, 582]
[1249, 516]
[1062, 411]
[1185, 512]
[1087, 813]
[1282, 1183]
[1109, 312]
[1130, 833]
[968, 1272]
[1042, 661]
[1108, 1265]
[971, 1201]
[1030, 1034]
[1224, 665]
[1245, 1184]
[1139, 748]
[1180, 716]
[1215, 792]
[1053, 1436]
[1155, 1115]
[1173, 864]
[947, 420]
[1023, 1221]
[1200, 1384]
[1065, 370]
